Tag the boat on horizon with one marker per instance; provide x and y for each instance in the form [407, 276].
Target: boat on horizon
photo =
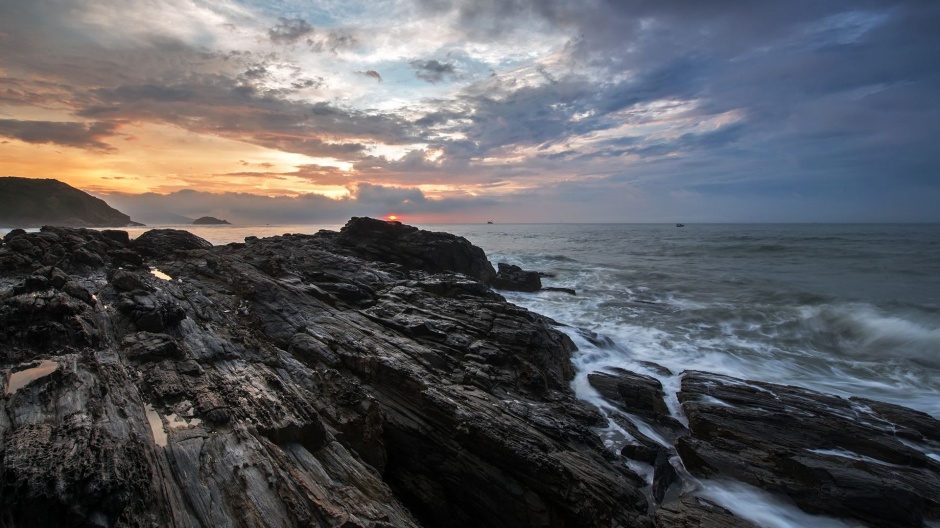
[680, 225]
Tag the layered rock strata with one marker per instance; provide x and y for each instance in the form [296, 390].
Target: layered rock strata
[360, 378]
[372, 378]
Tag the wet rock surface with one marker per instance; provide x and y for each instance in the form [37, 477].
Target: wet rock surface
[513, 278]
[871, 463]
[372, 378]
[851, 458]
[339, 379]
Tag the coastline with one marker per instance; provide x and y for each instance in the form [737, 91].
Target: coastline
[421, 375]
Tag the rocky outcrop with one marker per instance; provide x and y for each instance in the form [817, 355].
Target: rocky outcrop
[29, 202]
[412, 248]
[514, 278]
[352, 379]
[340, 379]
[851, 458]
[163, 242]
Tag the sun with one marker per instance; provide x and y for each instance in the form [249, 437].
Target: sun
[392, 218]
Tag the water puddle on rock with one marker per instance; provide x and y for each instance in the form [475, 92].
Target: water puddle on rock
[160, 275]
[178, 422]
[156, 426]
[19, 379]
[173, 422]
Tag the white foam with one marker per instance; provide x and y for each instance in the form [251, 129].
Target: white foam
[763, 508]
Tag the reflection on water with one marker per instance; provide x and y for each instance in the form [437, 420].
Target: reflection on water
[19, 379]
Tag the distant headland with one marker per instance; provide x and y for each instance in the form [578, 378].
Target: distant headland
[29, 202]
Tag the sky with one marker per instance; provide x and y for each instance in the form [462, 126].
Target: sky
[305, 111]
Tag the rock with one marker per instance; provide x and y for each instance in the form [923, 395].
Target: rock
[569, 291]
[123, 280]
[162, 242]
[353, 380]
[514, 278]
[827, 454]
[13, 234]
[144, 346]
[636, 394]
[697, 512]
[412, 248]
[328, 380]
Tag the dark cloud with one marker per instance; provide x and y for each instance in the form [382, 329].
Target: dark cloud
[225, 106]
[716, 97]
[70, 134]
[433, 71]
[334, 41]
[371, 73]
[318, 174]
[289, 30]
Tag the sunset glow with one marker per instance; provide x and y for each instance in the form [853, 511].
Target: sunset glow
[466, 111]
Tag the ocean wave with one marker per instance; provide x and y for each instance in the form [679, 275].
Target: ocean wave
[864, 331]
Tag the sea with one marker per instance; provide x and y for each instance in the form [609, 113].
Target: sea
[846, 309]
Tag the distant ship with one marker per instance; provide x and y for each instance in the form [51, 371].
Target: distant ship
[680, 225]
[490, 222]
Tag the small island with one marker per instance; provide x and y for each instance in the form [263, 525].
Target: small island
[210, 220]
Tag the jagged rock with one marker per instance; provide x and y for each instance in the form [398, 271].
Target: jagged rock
[413, 248]
[328, 380]
[697, 512]
[69, 249]
[513, 278]
[127, 281]
[322, 381]
[144, 346]
[848, 458]
[636, 394]
[162, 242]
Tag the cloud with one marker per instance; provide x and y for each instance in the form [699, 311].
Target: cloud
[69, 134]
[371, 73]
[334, 42]
[433, 71]
[241, 208]
[289, 30]
[508, 96]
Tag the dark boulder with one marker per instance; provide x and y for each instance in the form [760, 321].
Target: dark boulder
[413, 248]
[636, 394]
[513, 278]
[163, 242]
